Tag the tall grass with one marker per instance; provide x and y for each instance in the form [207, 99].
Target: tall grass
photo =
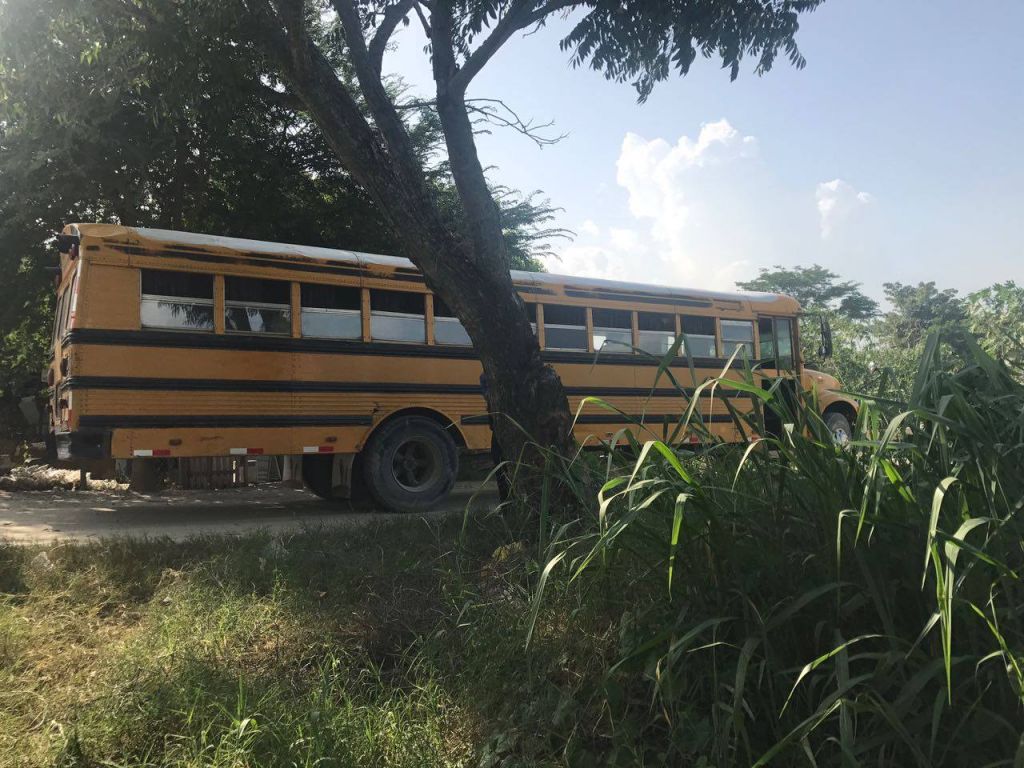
[794, 602]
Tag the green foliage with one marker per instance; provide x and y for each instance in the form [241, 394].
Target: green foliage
[996, 315]
[642, 42]
[129, 113]
[918, 310]
[817, 289]
[794, 601]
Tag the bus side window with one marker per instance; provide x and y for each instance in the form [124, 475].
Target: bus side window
[784, 334]
[657, 332]
[252, 305]
[331, 312]
[766, 334]
[398, 316]
[176, 300]
[613, 330]
[447, 328]
[738, 334]
[699, 334]
[531, 312]
[565, 327]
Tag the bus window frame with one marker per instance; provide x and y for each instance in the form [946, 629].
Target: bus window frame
[754, 352]
[245, 304]
[616, 348]
[672, 335]
[684, 349]
[368, 305]
[432, 325]
[199, 301]
[772, 362]
[587, 340]
[330, 311]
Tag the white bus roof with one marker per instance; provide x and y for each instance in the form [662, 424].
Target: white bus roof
[370, 259]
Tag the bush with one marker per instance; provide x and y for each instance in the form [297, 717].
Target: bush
[791, 601]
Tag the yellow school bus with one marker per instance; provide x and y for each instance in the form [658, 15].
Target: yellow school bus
[172, 344]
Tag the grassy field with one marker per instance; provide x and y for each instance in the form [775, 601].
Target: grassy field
[224, 652]
[787, 603]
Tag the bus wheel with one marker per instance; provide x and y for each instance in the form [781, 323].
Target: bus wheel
[839, 426]
[410, 464]
[318, 475]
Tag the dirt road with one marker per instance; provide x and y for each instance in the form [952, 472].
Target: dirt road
[44, 516]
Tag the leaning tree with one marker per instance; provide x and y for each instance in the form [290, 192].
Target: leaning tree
[463, 255]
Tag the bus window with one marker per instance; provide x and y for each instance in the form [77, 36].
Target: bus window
[699, 333]
[738, 334]
[565, 327]
[657, 332]
[447, 328]
[613, 330]
[177, 300]
[531, 312]
[784, 334]
[766, 338]
[252, 305]
[331, 312]
[398, 316]
[58, 315]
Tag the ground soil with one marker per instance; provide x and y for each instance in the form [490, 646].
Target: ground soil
[43, 516]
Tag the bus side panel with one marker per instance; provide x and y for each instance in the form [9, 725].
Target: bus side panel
[109, 298]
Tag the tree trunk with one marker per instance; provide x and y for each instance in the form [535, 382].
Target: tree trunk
[468, 270]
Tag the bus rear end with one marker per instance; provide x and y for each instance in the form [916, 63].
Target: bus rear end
[65, 442]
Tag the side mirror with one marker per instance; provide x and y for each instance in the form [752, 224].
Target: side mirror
[825, 350]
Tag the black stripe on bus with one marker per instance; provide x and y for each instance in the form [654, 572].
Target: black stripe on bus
[388, 387]
[254, 343]
[222, 422]
[650, 419]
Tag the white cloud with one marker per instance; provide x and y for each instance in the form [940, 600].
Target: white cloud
[838, 202]
[705, 212]
[664, 184]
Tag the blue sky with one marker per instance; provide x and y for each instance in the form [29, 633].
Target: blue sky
[895, 155]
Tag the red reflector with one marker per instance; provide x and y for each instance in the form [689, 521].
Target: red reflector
[254, 451]
[326, 449]
[161, 451]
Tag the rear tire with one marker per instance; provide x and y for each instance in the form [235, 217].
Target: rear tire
[410, 464]
[839, 427]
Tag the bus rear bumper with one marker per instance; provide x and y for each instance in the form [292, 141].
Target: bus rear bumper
[80, 444]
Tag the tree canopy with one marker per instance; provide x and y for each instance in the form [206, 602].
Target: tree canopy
[816, 288]
[171, 123]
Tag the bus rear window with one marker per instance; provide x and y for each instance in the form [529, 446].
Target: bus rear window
[176, 300]
[257, 306]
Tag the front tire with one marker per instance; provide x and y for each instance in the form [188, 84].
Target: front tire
[839, 427]
[410, 464]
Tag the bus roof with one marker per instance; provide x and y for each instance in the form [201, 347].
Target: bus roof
[112, 232]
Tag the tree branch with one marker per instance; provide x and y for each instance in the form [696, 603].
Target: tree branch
[393, 16]
[520, 16]
[490, 111]
[377, 99]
